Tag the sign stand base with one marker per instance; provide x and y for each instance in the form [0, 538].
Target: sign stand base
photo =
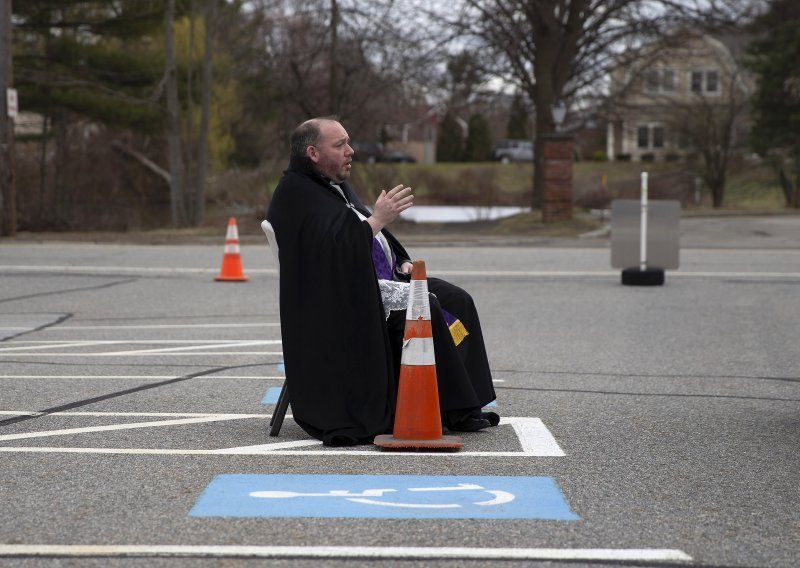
[650, 276]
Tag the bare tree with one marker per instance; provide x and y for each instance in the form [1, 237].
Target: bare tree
[8, 206]
[347, 58]
[209, 20]
[188, 158]
[709, 126]
[693, 86]
[563, 49]
[173, 121]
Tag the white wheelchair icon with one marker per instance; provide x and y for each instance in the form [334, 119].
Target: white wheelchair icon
[365, 497]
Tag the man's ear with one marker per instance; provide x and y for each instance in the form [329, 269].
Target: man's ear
[312, 153]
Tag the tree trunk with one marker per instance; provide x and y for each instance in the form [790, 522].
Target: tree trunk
[61, 214]
[209, 19]
[8, 191]
[191, 175]
[543, 98]
[718, 191]
[557, 31]
[333, 88]
[173, 121]
[796, 198]
[42, 172]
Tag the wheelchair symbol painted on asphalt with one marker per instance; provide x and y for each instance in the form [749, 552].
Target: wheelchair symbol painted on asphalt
[499, 497]
[382, 496]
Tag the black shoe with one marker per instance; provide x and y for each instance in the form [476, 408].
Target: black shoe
[339, 440]
[492, 417]
[470, 424]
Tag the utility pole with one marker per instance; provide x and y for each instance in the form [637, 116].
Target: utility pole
[8, 193]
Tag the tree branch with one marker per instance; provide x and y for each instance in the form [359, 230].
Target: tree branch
[144, 160]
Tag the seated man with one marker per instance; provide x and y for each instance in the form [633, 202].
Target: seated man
[343, 295]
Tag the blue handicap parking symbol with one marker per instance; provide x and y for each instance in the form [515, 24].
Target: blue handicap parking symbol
[271, 397]
[383, 497]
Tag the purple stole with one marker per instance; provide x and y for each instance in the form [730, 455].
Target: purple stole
[384, 271]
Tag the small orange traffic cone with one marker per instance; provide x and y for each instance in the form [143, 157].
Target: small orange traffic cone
[417, 421]
[231, 270]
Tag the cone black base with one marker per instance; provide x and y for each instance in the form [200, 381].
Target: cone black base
[650, 276]
[389, 442]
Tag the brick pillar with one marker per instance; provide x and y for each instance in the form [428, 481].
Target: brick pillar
[557, 163]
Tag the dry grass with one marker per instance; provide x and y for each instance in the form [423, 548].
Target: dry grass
[245, 194]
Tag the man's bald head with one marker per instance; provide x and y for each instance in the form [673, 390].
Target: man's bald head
[326, 144]
[307, 134]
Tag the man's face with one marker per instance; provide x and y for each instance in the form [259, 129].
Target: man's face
[332, 156]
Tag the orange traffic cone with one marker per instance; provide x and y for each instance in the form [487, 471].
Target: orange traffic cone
[231, 270]
[417, 421]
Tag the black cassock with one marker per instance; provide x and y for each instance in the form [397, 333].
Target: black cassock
[342, 356]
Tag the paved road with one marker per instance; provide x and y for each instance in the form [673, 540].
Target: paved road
[645, 427]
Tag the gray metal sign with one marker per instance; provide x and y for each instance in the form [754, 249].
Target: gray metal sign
[663, 232]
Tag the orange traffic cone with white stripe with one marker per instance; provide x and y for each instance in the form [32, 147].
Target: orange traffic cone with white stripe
[417, 421]
[231, 270]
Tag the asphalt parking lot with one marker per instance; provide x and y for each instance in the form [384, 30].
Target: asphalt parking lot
[641, 426]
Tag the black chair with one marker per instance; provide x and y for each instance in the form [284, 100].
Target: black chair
[282, 405]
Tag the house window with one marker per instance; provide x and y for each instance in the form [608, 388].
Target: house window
[683, 140]
[650, 137]
[643, 137]
[651, 81]
[658, 137]
[659, 81]
[697, 81]
[712, 82]
[668, 80]
[704, 82]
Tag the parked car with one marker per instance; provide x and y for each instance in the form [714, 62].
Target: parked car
[369, 152]
[513, 151]
[399, 156]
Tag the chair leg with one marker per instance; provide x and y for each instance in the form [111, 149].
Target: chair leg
[282, 405]
[278, 403]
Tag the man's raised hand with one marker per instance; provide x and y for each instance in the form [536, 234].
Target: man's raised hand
[389, 205]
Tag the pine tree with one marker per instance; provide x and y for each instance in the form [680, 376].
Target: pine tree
[776, 104]
[478, 147]
[90, 58]
[450, 142]
[518, 119]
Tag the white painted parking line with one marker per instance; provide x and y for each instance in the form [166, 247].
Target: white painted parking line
[131, 414]
[535, 439]
[158, 377]
[534, 436]
[437, 273]
[22, 347]
[249, 450]
[107, 451]
[135, 354]
[607, 273]
[118, 269]
[374, 453]
[147, 377]
[54, 345]
[27, 348]
[195, 347]
[112, 427]
[139, 341]
[156, 326]
[653, 555]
